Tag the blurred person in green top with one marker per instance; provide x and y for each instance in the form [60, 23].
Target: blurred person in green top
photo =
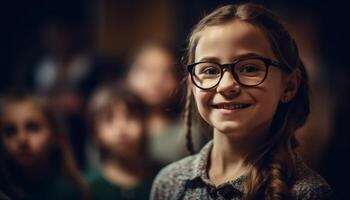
[118, 132]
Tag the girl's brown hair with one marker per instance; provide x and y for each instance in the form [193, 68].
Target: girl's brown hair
[61, 157]
[272, 166]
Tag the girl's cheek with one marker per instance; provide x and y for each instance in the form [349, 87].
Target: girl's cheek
[40, 143]
[202, 97]
[135, 131]
[9, 146]
[202, 100]
[106, 133]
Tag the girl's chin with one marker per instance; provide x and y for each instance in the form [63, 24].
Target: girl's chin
[232, 129]
[228, 126]
[228, 130]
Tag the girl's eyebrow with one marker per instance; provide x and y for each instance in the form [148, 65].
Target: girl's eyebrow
[248, 55]
[209, 59]
[245, 55]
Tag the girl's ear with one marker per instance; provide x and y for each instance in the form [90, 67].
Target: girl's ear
[291, 86]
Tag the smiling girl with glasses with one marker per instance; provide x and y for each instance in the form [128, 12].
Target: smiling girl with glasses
[250, 85]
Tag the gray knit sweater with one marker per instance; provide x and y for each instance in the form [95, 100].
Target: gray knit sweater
[188, 179]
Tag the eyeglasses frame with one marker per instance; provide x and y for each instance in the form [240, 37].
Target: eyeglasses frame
[268, 62]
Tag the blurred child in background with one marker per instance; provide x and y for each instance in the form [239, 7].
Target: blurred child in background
[36, 159]
[155, 77]
[117, 119]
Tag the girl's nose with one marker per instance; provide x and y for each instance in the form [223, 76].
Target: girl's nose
[120, 126]
[22, 136]
[228, 86]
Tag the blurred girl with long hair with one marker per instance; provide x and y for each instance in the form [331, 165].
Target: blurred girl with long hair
[36, 160]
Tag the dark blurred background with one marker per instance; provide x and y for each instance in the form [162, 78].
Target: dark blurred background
[104, 32]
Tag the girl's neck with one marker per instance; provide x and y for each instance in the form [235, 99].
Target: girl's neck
[127, 174]
[228, 158]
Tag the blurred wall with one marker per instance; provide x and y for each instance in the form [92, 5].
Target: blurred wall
[124, 25]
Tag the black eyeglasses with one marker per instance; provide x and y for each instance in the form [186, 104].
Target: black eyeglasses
[248, 72]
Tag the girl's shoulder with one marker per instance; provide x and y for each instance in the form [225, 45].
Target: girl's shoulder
[172, 179]
[309, 185]
[180, 168]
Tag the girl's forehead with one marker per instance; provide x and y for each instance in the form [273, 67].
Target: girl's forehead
[153, 55]
[123, 109]
[23, 110]
[227, 41]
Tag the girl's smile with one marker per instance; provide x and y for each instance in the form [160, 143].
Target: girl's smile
[230, 107]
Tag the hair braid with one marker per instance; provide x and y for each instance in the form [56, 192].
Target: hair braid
[188, 120]
[280, 166]
[277, 186]
[271, 177]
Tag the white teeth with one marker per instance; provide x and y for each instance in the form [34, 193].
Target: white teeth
[231, 106]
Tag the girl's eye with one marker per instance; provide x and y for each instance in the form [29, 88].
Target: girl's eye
[249, 69]
[33, 127]
[9, 130]
[210, 71]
